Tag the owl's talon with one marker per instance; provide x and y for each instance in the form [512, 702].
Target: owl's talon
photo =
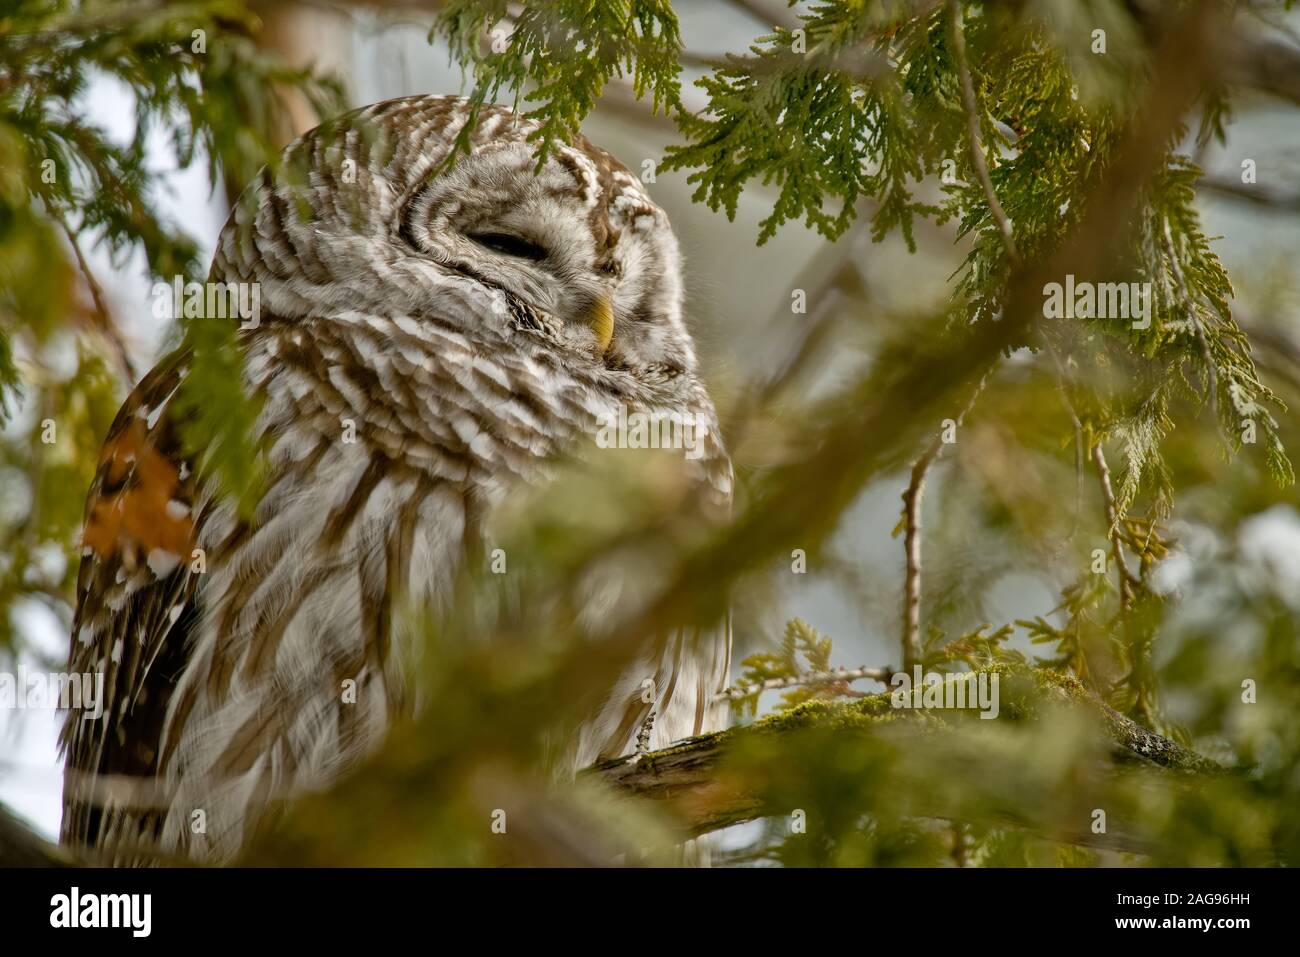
[643, 735]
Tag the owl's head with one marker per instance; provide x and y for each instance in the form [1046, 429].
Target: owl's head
[366, 214]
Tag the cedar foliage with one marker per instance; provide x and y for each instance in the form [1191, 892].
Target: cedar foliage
[196, 76]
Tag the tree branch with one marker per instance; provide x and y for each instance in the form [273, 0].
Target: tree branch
[1267, 200]
[691, 779]
[1267, 65]
[1247, 59]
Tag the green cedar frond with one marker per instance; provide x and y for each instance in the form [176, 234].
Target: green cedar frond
[565, 51]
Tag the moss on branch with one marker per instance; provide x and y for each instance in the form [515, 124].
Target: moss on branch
[709, 782]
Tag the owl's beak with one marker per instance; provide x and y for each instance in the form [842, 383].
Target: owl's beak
[599, 317]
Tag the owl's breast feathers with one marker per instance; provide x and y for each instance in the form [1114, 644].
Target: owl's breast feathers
[223, 642]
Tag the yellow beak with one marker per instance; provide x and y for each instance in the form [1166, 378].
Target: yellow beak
[600, 317]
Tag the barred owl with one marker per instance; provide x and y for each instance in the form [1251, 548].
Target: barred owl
[471, 321]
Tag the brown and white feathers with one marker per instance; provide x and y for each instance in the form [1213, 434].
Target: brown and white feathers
[469, 323]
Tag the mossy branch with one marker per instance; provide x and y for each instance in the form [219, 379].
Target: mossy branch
[710, 782]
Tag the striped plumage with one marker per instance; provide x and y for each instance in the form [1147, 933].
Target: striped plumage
[454, 323]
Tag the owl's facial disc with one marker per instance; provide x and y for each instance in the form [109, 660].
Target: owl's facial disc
[597, 316]
[581, 254]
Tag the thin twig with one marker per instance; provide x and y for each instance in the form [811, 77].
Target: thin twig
[912, 550]
[1126, 578]
[105, 324]
[971, 108]
[1127, 583]
[835, 675]
[1063, 390]
[912, 495]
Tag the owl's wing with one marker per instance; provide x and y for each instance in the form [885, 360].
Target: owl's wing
[135, 609]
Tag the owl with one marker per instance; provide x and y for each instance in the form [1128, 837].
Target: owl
[430, 335]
